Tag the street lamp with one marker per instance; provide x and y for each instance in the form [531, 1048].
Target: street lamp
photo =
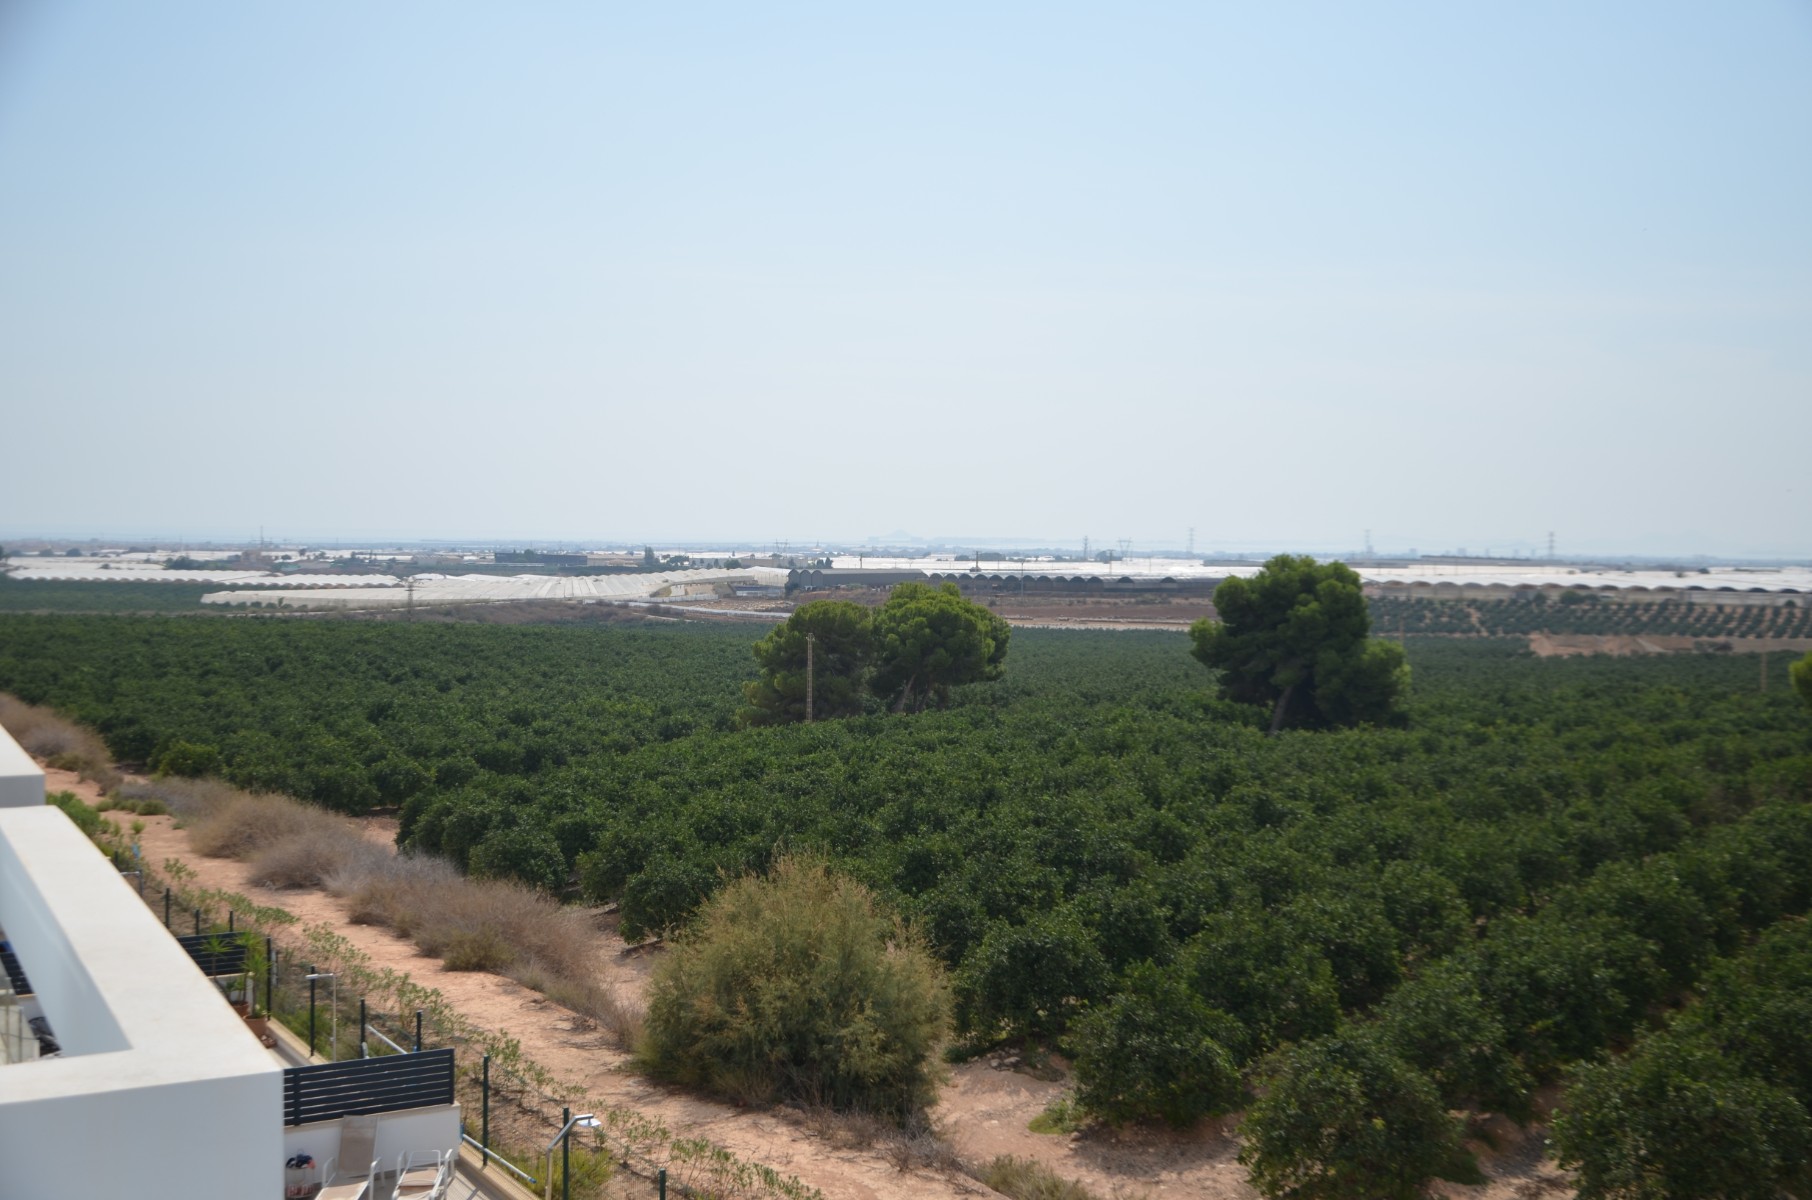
[583, 1121]
[333, 1034]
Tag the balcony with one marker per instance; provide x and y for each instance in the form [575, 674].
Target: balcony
[139, 1052]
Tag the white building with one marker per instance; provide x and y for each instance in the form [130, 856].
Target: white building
[158, 1090]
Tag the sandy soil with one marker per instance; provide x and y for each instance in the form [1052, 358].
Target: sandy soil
[1564, 645]
[982, 1113]
[1062, 612]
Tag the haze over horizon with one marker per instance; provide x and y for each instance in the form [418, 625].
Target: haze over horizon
[1458, 277]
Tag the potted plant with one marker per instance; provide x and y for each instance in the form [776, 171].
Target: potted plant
[257, 1015]
[259, 1022]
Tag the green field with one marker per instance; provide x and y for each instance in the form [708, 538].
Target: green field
[82, 596]
[1547, 854]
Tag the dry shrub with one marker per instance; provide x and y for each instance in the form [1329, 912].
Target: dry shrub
[919, 1145]
[1029, 1179]
[189, 799]
[479, 949]
[485, 925]
[309, 859]
[60, 742]
[471, 924]
[393, 894]
[587, 997]
[243, 825]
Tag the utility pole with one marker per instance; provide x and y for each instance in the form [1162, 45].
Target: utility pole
[811, 642]
[1085, 547]
[1192, 541]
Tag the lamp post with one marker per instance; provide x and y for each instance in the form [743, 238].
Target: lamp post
[583, 1121]
[333, 1002]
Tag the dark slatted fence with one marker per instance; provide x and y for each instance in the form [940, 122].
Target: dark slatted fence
[329, 1091]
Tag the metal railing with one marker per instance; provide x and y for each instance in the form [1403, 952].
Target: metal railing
[374, 1031]
[15, 974]
[491, 1156]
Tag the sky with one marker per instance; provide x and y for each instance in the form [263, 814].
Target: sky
[1458, 275]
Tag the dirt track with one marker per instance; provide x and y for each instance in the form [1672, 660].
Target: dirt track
[982, 1113]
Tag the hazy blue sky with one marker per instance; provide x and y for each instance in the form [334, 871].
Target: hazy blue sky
[1457, 273]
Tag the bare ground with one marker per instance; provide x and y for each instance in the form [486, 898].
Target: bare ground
[1565, 645]
[983, 1111]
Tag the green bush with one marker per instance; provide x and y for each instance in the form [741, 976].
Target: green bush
[1342, 1118]
[187, 759]
[1156, 1051]
[1441, 1025]
[87, 819]
[662, 896]
[797, 985]
[1249, 963]
[525, 853]
[1677, 1119]
[1027, 980]
[1716, 1103]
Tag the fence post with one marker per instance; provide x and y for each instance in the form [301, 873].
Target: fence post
[166, 906]
[662, 1179]
[485, 1128]
[363, 1052]
[311, 1010]
[270, 978]
[566, 1157]
[230, 916]
[418, 1031]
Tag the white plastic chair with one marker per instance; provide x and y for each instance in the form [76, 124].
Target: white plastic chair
[423, 1174]
[353, 1187]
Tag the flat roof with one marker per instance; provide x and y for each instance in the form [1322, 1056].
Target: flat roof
[126, 1003]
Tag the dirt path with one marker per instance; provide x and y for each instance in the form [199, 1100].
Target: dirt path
[982, 1113]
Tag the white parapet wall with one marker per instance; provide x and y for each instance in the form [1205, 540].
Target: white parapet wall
[418, 1130]
[21, 779]
[161, 1090]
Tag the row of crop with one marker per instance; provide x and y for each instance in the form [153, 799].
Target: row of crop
[1670, 618]
[1716, 1102]
[356, 715]
[1531, 996]
[103, 596]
